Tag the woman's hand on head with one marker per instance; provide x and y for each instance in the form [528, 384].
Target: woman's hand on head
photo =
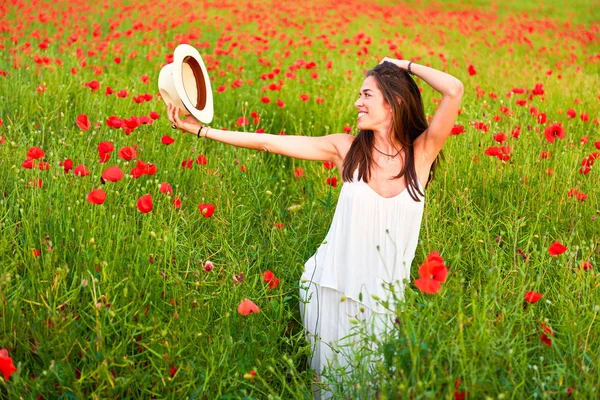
[399, 63]
[188, 124]
[388, 59]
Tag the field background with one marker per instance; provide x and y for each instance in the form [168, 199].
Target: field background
[102, 301]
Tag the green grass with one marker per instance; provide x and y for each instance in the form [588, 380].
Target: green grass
[118, 299]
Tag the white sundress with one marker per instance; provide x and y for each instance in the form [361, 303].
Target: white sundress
[371, 242]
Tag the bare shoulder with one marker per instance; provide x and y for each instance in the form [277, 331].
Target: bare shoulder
[342, 142]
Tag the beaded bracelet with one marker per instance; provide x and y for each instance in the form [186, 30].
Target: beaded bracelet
[408, 69]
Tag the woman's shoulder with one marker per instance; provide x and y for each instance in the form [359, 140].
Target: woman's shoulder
[342, 143]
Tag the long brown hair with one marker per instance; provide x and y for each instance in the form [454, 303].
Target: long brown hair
[408, 122]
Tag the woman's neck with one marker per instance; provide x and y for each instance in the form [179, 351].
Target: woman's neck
[384, 143]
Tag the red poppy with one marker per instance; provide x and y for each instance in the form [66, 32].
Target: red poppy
[187, 164]
[545, 154]
[207, 210]
[584, 140]
[332, 181]
[167, 140]
[545, 337]
[247, 307]
[532, 297]
[541, 118]
[154, 115]
[457, 130]
[586, 265]
[459, 395]
[96, 196]
[44, 166]
[166, 188]
[500, 137]
[304, 97]
[127, 153]
[328, 164]
[81, 170]
[584, 117]
[173, 371]
[7, 367]
[104, 157]
[151, 169]
[114, 122]
[242, 121]
[36, 253]
[546, 340]
[35, 153]
[347, 128]
[105, 147]
[113, 174]
[140, 169]
[67, 165]
[432, 273]
[94, 85]
[83, 122]
[556, 248]
[269, 276]
[201, 159]
[280, 103]
[299, 172]
[547, 329]
[144, 204]
[554, 131]
[177, 202]
[471, 70]
[539, 89]
[28, 164]
[480, 126]
[501, 152]
[265, 100]
[571, 113]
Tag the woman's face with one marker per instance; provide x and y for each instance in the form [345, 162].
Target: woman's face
[373, 111]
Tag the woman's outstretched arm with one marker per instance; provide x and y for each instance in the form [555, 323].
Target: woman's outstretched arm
[444, 117]
[320, 148]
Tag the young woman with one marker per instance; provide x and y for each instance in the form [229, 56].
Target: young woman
[371, 243]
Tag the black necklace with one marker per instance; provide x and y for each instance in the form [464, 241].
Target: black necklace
[392, 156]
[386, 154]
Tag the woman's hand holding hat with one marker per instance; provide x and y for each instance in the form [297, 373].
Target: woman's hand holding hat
[188, 124]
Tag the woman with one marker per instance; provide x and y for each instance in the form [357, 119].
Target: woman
[371, 243]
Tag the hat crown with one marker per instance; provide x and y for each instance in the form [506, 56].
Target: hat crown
[185, 84]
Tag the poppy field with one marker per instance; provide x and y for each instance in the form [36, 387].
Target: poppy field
[137, 261]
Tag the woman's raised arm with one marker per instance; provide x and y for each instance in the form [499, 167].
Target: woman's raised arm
[319, 148]
[444, 117]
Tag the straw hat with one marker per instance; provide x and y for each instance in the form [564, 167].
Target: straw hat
[185, 83]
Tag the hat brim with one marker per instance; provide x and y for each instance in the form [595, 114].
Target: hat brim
[192, 83]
